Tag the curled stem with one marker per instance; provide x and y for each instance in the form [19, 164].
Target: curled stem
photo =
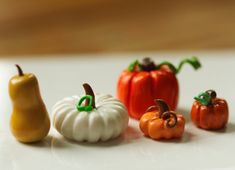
[148, 65]
[164, 112]
[89, 99]
[87, 108]
[194, 62]
[206, 98]
[167, 117]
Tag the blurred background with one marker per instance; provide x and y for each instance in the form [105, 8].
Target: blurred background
[101, 26]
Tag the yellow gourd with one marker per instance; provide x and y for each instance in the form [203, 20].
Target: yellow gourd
[29, 120]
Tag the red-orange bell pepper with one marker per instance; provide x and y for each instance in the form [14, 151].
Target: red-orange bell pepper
[141, 83]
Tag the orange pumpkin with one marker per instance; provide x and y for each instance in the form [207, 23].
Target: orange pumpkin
[209, 112]
[160, 123]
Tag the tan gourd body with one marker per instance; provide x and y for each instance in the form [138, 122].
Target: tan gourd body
[29, 120]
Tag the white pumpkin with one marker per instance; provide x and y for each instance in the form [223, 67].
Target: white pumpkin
[108, 120]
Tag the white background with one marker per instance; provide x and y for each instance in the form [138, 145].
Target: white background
[63, 76]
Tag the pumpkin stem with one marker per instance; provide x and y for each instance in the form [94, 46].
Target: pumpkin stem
[194, 62]
[163, 107]
[167, 117]
[20, 71]
[169, 64]
[148, 64]
[164, 112]
[87, 108]
[206, 98]
[89, 92]
[212, 93]
[152, 108]
[133, 65]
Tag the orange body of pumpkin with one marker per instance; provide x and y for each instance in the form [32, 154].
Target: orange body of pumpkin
[137, 90]
[145, 81]
[156, 127]
[211, 117]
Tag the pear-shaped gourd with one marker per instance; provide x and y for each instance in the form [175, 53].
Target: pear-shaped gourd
[29, 120]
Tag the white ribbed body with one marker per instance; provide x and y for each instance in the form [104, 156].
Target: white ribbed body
[107, 121]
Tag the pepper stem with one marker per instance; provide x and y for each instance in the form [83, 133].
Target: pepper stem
[89, 92]
[20, 71]
[194, 62]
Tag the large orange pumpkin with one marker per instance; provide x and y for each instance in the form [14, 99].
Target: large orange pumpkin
[145, 81]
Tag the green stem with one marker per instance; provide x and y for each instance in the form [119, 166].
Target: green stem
[86, 108]
[133, 65]
[194, 62]
[169, 64]
[89, 99]
[206, 98]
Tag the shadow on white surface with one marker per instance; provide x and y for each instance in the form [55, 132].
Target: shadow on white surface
[230, 128]
[45, 143]
[129, 136]
[186, 113]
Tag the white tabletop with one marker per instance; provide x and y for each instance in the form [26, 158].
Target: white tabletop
[63, 76]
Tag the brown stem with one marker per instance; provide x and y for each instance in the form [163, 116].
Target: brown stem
[166, 116]
[90, 92]
[212, 93]
[163, 107]
[148, 64]
[152, 108]
[20, 71]
[164, 112]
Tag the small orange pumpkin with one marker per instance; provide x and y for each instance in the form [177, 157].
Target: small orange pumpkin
[160, 123]
[209, 112]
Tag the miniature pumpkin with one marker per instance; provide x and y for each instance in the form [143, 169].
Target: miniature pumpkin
[209, 112]
[145, 81]
[102, 117]
[160, 123]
